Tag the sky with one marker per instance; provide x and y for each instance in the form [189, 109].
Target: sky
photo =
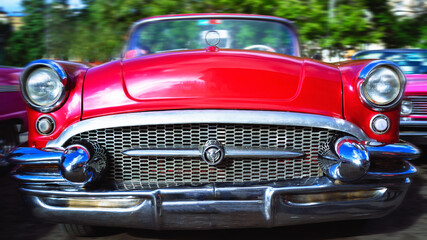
[15, 5]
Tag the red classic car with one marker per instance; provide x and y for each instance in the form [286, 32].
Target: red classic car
[413, 62]
[212, 121]
[13, 113]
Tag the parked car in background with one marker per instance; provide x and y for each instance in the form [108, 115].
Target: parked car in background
[186, 132]
[13, 113]
[413, 62]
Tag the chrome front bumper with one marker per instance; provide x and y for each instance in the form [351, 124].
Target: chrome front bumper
[220, 206]
[216, 205]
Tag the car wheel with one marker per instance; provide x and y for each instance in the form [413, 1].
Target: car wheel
[79, 230]
[8, 138]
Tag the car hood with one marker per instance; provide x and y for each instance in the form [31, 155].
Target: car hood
[225, 79]
[214, 75]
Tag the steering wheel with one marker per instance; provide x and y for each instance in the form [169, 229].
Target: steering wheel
[260, 47]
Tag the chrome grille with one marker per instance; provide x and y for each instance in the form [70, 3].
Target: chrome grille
[419, 105]
[170, 171]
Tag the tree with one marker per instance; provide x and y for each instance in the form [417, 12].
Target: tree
[27, 44]
[396, 31]
[5, 33]
[350, 27]
[59, 33]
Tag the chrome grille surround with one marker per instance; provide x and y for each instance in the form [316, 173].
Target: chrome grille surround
[264, 124]
[163, 171]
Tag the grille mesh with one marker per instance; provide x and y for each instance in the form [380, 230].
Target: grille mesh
[171, 171]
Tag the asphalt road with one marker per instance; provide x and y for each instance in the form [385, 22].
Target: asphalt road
[409, 221]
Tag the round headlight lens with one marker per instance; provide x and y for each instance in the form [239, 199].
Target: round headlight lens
[44, 87]
[406, 108]
[382, 86]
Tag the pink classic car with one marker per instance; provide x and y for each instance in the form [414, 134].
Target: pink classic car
[413, 62]
[13, 113]
[212, 121]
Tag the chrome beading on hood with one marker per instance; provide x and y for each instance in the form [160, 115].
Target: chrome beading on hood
[210, 116]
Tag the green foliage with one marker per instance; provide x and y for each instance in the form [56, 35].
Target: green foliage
[98, 31]
[27, 44]
[422, 42]
[350, 27]
[59, 23]
[397, 32]
[5, 33]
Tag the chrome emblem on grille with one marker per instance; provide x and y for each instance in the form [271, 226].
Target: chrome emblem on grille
[213, 152]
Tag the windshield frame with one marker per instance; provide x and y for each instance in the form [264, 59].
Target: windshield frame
[287, 23]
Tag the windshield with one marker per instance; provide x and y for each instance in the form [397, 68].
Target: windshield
[172, 35]
[410, 62]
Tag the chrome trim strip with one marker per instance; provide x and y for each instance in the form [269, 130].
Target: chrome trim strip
[230, 152]
[162, 152]
[398, 151]
[9, 88]
[409, 170]
[39, 178]
[413, 123]
[366, 71]
[210, 116]
[234, 152]
[288, 23]
[27, 155]
[414, 97]
[413, 133]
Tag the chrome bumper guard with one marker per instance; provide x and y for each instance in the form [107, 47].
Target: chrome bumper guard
[216, 205]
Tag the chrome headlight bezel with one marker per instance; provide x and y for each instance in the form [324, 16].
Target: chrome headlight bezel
[367, 72]
[62, 78]
[406, 103]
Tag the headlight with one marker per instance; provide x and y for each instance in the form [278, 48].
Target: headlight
[43, 87]
[406, 108]
[383, 85]
[43, 84]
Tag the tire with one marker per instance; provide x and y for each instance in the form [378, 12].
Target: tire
[79, 230]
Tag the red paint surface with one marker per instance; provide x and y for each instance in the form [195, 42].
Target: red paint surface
[213, 80]
[68, 114]
[359, 113]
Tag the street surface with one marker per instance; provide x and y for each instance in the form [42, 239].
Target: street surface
[409, 221]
